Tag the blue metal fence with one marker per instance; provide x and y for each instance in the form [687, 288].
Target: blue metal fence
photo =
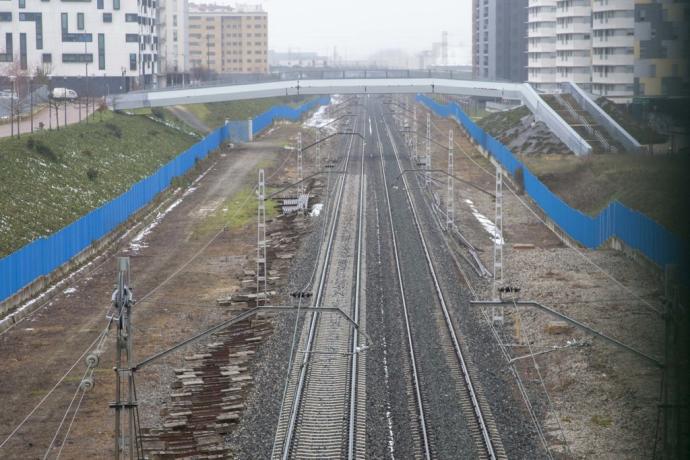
[43, 255]
[633, 228]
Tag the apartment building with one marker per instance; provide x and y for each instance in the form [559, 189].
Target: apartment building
[499, 40]
[662, 49]
[613, 42]
[224, 39]
[113, 42]
[174, 42]
[541, 44]
[574, 42]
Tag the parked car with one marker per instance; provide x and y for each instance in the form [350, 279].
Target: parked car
[64, 93]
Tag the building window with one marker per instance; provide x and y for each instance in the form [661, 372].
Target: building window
[22, 3]
[80, 21]
[107, 17]
[22, 51]
[5, 16]
[132, 61]
[129, 17]
[116, 4]
[77, 57]
[174, 20]
[99, 4]
[132, 38]
[9, 52]
[101, 51]
[47, 58]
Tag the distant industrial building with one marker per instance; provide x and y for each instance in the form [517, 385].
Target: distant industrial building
[499, 40]
[443, 55]
[301, 59]
[173, 36]
[114, 42]
[225, 40]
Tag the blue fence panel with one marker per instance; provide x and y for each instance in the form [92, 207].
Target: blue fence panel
[43, 255]
[635, 229]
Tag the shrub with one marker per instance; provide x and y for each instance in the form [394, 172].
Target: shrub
[87, 153]
[158, 113]
[92, 174]
[520, 180]
[114, 130]
[43, 150]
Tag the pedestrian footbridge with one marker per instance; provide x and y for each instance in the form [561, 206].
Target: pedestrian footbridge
[234, 92]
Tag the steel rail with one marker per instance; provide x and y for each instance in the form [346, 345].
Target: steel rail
[401, 286]
[355, 337]
[294, 410]
[488, 443]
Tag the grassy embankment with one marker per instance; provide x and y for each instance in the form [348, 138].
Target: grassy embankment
[655, 186]
[50, 179]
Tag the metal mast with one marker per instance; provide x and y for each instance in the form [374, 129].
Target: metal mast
[450, 200]
[498, 243]
[414, 132]
[300, 172]
[427, 160]
[261, 272]
[123, 301]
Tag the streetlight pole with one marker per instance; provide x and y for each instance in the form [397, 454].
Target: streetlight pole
[12, 108]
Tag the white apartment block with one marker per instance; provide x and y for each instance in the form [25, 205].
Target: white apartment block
[113, 41]
[574, 42]
[613, 42]
[173, 32]
[541, 44]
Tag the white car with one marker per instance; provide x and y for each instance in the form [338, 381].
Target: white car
[64, 93]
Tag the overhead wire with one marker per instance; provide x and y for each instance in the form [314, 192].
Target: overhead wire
[564, 240]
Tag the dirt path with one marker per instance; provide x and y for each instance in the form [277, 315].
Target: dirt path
[38, 351]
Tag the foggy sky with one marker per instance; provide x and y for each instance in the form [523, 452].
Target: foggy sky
[358, 28]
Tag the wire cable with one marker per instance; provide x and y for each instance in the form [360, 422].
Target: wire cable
[564, 240]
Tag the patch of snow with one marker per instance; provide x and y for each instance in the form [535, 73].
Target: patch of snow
[316, 210]
[488, 225]
[137, 242]
[69, 290]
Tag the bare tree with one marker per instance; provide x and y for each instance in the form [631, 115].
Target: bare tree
[20, 89]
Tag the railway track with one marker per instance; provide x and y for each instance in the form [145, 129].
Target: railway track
[322, 414]
[481, 427]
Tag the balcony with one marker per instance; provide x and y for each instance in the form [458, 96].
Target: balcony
[541, 32]
[573, 11]
[612, 5]
[615, 41]
[613, 78]
[541, 63]
[574, 61]
[573, 45]
[574, 28]
[613, 59]
[618, 22]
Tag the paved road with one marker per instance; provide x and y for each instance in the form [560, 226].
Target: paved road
[71, 114]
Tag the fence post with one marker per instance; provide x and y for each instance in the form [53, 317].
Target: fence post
[250, 130]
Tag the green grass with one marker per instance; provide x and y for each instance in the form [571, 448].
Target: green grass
[235, 212]
[499, 122]
[214, 114]
[654, 185]
[643, 133]
[50, 179]
[602, 421]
